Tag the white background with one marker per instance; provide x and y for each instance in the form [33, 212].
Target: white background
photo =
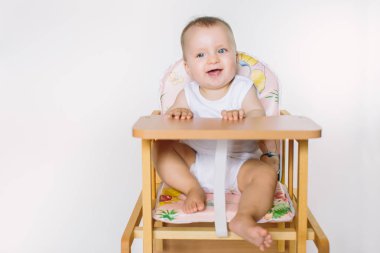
[75, 75]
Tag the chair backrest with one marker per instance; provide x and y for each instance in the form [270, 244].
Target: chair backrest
[265, 81]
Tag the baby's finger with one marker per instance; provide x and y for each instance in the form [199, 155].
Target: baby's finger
[170, 114]
[268, 240]
[224, 114]
[267, 243]
[235, 115]
[241, 114]
[177, 114]
[189, 115]
[184, 114]
[230, 115]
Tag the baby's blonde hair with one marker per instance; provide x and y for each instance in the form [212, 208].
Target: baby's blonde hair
[205, 21]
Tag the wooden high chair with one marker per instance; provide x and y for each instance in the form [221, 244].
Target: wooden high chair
[287, 128]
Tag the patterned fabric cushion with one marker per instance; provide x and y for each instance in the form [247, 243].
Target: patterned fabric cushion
[170, 201]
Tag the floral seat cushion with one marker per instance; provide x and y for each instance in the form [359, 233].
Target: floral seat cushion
[170, 201]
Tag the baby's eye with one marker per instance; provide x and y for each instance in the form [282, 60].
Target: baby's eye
[200, 55]
[222, 50]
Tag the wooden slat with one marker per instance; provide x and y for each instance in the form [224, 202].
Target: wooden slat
[156, 178]
[158, 243]
[283, 152]
[214, 246]
[208, 233]
[260, 128]
[281, 243]
[292, 244]
[153, 179]
[290, 167]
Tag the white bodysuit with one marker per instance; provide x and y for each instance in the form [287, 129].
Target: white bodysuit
[238, 151]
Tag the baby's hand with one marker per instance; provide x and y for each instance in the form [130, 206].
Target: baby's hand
[179, 113]
[233, 114]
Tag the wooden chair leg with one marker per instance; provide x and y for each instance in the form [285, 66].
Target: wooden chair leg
[320, 240]
[134, 220]
[301, 221]
[281, 225]
[147, 197]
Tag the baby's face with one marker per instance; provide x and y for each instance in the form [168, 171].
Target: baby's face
[210, 56]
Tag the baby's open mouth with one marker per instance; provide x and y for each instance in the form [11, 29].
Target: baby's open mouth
[214, 72]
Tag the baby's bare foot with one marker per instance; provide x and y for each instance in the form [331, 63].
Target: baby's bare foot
[247, 228]
[195, 200]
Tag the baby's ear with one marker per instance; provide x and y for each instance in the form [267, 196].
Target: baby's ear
[186, 67]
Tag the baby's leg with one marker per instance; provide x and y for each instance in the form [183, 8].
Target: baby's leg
[257, 182]
[172, 161]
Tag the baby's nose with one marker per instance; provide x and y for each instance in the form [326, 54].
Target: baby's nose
[213, 59]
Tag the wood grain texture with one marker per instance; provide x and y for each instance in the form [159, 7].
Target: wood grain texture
[260, 128]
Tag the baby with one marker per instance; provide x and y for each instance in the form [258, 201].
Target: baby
[210, 58]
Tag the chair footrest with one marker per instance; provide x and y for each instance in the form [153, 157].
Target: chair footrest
[208, 233]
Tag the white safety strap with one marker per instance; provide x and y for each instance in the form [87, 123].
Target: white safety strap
[219, 188]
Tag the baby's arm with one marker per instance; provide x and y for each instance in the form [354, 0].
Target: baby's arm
[180, 108]
[253, 108]
[251, 104]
